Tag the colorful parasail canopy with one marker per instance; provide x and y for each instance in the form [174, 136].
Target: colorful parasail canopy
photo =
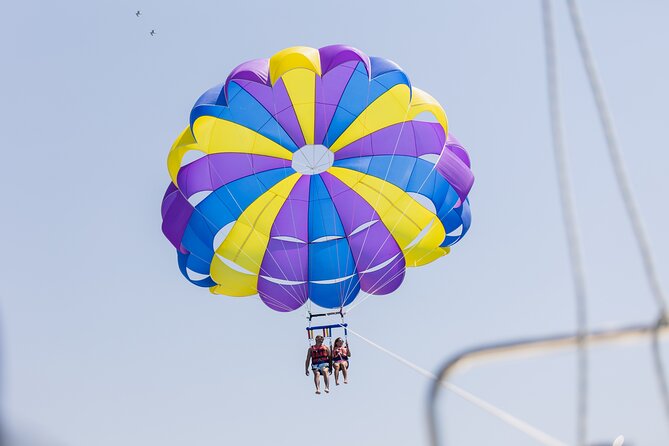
[313, 175]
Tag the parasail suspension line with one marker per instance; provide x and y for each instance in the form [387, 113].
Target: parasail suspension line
[501, 414]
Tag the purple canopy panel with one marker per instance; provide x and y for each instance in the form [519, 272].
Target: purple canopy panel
[454, 146]
[372, 247]
[397, 139]
[287, 251]
[361, 147]
[456, 172]
[413, 138]
[334, 55]
[329, 89]
[284, 274]
[282, 297]
[285, 113]
[293, 218]
[213, 171]
[384, 280]
[430, 137]
[286, 260]
[276, 101]
[176, 212]
[256, 70]
[168, 199]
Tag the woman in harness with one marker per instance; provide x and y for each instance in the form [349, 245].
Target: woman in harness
[340, 355]
[319, 356]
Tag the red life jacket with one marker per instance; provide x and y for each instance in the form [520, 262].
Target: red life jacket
[319, 354]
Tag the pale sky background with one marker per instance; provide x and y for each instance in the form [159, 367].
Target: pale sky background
[104, 343]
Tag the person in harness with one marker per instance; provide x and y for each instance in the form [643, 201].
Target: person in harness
[340, 355]
[319, 357]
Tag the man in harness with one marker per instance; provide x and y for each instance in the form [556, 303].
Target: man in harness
[319, 357]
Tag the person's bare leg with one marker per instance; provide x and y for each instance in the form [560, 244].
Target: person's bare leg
[344, 371]
[336, 367]
[317, 381]
[326, 379]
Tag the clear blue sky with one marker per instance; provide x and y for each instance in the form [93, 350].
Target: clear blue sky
[104, 343]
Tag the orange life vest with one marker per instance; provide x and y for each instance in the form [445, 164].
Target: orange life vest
[319, 354]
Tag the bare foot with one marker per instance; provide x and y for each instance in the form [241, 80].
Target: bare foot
[318, 392]
[345, 382]
[327, 390]
[336, 384]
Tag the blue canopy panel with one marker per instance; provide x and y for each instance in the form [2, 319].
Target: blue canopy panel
[413, 175]
[460, 216]
[333, 280]
[244, 109]
[193, 263]
[388, 72]
[213, 96]
[360, 92]
[198, 239]
[323, 217]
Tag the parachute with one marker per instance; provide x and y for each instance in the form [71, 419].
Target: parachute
[311, 176]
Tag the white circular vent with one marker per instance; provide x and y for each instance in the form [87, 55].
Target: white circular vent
[312, 159]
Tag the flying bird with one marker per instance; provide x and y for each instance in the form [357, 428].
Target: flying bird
[153, 32]
[138, 13]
